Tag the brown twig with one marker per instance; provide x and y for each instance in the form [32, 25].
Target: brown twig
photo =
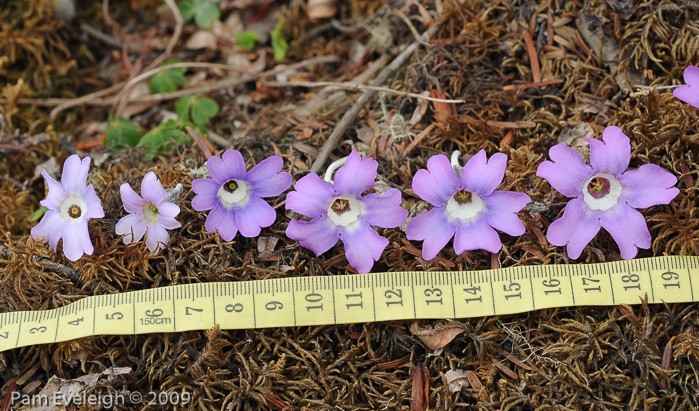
[350, 115]
[358, 87]
[91, 99]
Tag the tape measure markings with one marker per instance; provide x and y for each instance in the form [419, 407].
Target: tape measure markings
[303, 301]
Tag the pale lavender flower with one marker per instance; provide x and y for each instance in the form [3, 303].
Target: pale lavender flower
[234, 195]
[689, 93]
[467, 207]
[605, 194]
[151, 214]
[339, 211]
[70, 205]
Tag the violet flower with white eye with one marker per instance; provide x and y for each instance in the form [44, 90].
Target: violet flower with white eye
[339, 211]
[689, 93]
[605, 194]
[466, 205]
[152, 215]
[234, 195]
[70, 205]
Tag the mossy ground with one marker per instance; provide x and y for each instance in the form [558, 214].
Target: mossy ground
[590, 358]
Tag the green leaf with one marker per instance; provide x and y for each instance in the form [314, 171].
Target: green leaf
[182, 108]
[168, 80]
[162, 138]
[37, 214]
[121, 135]
[279, 44]
[247, 39]
[203, 109]
[206, 15]
[187, 10]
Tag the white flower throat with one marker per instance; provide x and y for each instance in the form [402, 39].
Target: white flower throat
[601, 191]
[150, 212]
[73, 208]
[464, 206]
[234, 193]
[344, 211]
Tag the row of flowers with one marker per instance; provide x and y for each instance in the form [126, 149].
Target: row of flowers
[465, 203]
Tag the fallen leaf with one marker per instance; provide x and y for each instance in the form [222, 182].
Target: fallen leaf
[574, 136]
[504, 369]
[420, 392]
[438, 336]
[321, 9]
[456, 380]
[202, 39]
[420, 110]
[266, 244]
[442, 111]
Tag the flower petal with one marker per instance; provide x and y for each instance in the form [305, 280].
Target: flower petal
[231, 166]
[157, 237]
[131, 223]
[648, 185]
[56, 193]
[133, 203]
[439, 182]
[207, 194]
[312, 196]
[168, 210]
[385, 211]
[691, 76]
[266, 179]
[628, 228]
[74, 176]
[476, 235]
[76, 240]
[152, 189]
[50, 228]
[502, 208]
[433, 228]
[169, 222]
[93, 203]
[255, 215]
[483, 176]
[688, 94]
[567, 172]
[576, 228]
[318, 235]
[223, 220]
[613, 155]
[356, 176]
[363, 246]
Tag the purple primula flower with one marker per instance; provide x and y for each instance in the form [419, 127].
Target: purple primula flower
[151, 214]
[234, 195]
[339, 211]
[70, 205]
[467, 207]
[605, 194]
[689, 93]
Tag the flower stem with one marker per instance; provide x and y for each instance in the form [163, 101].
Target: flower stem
[332, 167]
[455, 162]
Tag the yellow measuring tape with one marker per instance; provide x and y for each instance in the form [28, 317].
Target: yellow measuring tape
[359, 298]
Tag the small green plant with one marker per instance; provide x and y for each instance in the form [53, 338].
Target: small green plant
[193, 111]
[199, 109]
[279, 44]
[121, 135]
[247, 39]
[204, 12]
[167, 81]
[36, 215]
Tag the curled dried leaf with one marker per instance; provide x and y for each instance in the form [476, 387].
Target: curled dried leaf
[438, 336]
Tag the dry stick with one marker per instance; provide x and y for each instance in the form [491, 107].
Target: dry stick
[64, 105]
[349, 116]
[122, 98]
[357, 86]
[227, 82]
